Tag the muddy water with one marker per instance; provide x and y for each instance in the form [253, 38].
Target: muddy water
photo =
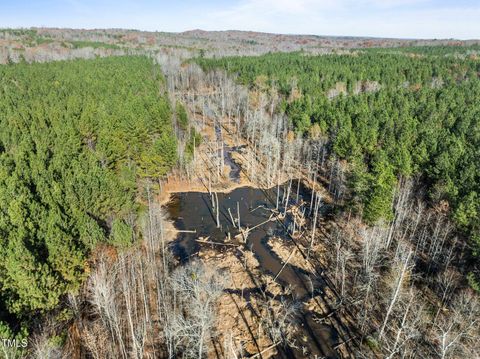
[193, 211]
[235, 169]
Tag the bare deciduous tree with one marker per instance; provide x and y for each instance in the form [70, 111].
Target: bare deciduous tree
[196, 288]
[458, 326]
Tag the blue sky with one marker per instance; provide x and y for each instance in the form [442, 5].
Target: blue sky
[384, 18]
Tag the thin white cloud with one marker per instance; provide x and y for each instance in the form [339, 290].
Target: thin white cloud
[381, 18]
[391, 3]
[293, 6]
[314, 6]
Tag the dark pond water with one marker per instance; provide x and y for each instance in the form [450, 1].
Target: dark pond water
[235, 169]
[193, 211]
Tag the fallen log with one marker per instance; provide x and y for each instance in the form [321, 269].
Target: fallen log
[265, 350]
[285, 264]
[181, 230]
[217, 243]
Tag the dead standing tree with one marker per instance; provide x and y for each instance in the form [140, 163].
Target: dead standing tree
[458, 329]
[195, 290]
[401, 269]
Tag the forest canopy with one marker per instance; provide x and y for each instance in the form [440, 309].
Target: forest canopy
[75, 138]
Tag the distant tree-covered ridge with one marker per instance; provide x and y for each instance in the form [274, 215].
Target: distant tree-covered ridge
[389, 113]
[75, 138]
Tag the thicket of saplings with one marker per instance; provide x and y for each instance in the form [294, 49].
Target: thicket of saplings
[390, 114]
[78, 141]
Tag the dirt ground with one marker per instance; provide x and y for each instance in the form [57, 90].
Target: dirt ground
[286, 251]
[239, 310]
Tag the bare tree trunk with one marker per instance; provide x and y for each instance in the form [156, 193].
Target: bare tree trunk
[314, 229]
[238, 216]
[218, 210]
[396, 291]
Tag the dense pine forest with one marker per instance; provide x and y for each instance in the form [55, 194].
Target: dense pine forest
[76, 138]
[391, 114]
[238, 195]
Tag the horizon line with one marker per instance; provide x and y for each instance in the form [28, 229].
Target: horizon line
[237, 30]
